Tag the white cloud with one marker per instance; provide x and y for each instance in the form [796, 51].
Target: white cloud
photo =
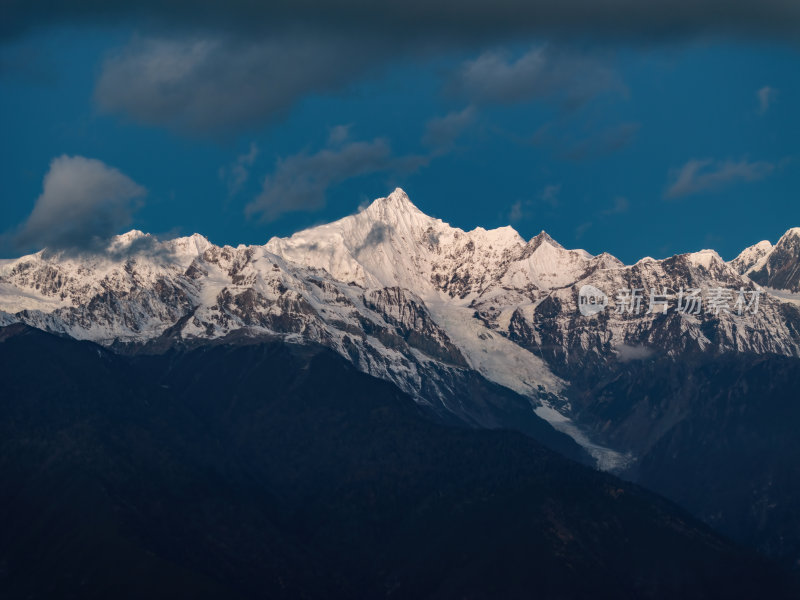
[700, 175]
[84, 202]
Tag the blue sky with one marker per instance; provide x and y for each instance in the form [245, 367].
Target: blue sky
[610, 143]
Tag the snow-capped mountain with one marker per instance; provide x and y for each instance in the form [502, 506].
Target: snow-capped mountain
[779, 267]
[750, 256]
[409, 298]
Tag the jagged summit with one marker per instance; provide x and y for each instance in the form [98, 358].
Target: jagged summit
[749, 257]
[392, 242]
[194, 244]
[396, 202]
[397, 209]
[543, 237]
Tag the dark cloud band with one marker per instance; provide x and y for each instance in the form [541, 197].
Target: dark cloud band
[410, 18]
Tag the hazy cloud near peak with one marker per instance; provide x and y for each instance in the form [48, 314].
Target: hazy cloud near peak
[581, 229]
[300, 182]
[701, 175]
[547, 198]
[84, 202]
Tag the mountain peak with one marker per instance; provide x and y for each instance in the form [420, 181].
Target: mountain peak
[794, 232]
[751, 256]
[399, 195]
[129, 236]
[193, 245]
[543, 237]
[704, 258]
[397, 202]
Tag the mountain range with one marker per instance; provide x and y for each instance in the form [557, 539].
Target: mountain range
[682, 378]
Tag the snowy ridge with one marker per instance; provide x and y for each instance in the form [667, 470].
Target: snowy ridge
[392, 242]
